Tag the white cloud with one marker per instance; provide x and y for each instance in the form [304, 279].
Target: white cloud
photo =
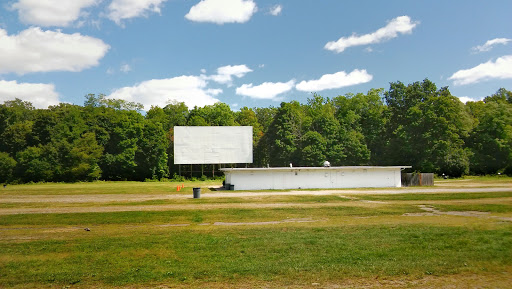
[225, 73]
[125, 68]
[465, 99]
[490, 44]
[34, 50]
[119, 10]
[276, 10]
[266, 90]
[39, 94]
[336, 80]
[222, 11]
[51, 12]
[500, 69]
[158, 92]
[398, 25]
[214, 91]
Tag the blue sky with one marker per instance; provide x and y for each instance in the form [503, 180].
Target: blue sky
[251, 53]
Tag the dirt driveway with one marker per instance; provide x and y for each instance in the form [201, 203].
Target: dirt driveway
[108, 198]
[100, 202]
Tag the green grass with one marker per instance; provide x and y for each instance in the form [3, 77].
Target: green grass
[273, 199]
[211, 216]
[490, 178]
[436, 196]
[267, 254]
[348, 239]
[101, 187]
[491, 208]
[181, 201]
[106, 187]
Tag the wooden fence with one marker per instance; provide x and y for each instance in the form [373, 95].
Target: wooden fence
[417, 179]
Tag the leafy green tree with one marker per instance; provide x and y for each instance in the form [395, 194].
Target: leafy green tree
[124, 129]
[445, 123]
[176, 115]
[91, 100]
[404, 136]
[16, 137]
[16, 121]
[247, 117]
[285, 134]
[57, 129]
[18, 110]
[323, 122]
[7, 166]
[355, 151]
[218, 114]
[44, 126]
[502, 95]
[70, 122]
[366, 115]
[35, 164]
[491, 139]
[427, 128]
[265, 116]
[476, 110]
[151, 156]
[344, 143]
[121, 165]
[314, 149]
[415, 124]
[58, 154]
[85, 156]
[197, 120]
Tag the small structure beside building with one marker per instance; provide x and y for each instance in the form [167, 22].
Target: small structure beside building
[284, 178]
[417, 179]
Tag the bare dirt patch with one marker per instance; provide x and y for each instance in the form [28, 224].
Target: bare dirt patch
[107, 198]
[432, 211]
[301, 220]
[101, 209]
[463, 280]
[100, 203]
[469, 183]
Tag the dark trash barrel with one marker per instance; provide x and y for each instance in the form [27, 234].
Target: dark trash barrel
[197, 193]
[231, 187]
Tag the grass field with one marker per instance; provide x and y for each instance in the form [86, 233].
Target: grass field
[149, 235]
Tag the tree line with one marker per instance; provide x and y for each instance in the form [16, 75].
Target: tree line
[108, 139]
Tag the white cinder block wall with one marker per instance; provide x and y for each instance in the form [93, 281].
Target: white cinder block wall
[313, 177]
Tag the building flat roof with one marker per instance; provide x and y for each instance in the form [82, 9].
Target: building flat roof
[314, 168]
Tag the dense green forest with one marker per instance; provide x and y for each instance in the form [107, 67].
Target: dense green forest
[416, 124]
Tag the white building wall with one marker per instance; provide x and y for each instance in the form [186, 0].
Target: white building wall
[313, 178]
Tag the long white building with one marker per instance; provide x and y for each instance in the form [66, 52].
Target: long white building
[313, 177]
